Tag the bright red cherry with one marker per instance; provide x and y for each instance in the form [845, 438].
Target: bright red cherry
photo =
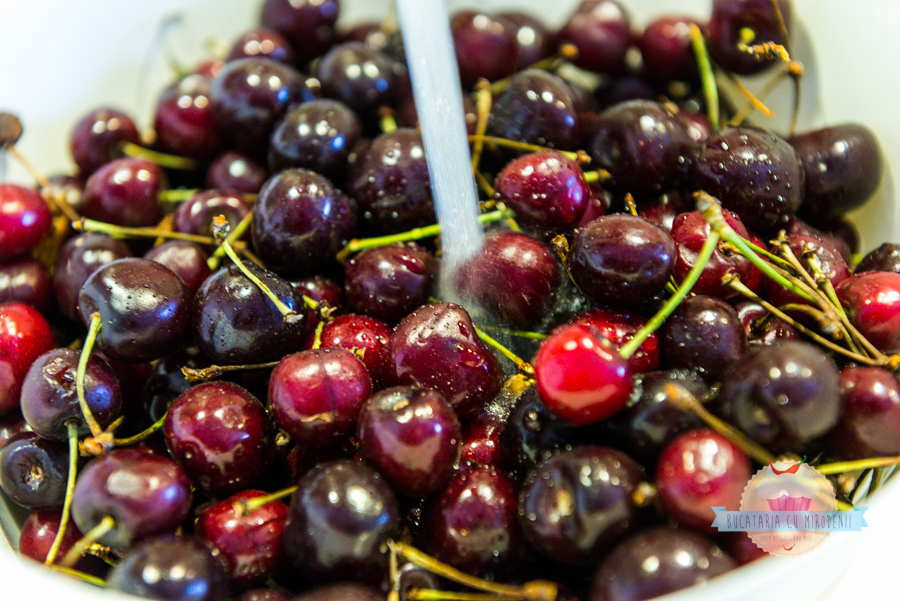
[872, 300]
[580, 375]
[24, 220]
[24, 336]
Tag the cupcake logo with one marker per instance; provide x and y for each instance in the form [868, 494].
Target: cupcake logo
[788, 508]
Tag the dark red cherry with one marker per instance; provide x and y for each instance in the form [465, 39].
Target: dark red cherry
[621, 260]
[601, 32]
[666, 49]
[697, 471]
[731, 20]
[195, 215]
[234, 322]
[25, 220]
[367, 337]
[236, 171]
[144, 309]
[78, 258]
[24, 336]
[37, 536]
[33, 470]
[300, 222]
[26, 281]
[389, 282]
[186, 259]
[411, 436]
[98, 138]
[250, 542]
[656, 562]
[184, 121]
[472, 524]
[262, 42]
[884, 258]
[533, 38]
[831, 264]
[220, 435]
[871, 399]
[176, 568]
[166, 381]
[703, 333]
[124, 192]
[485, 46]
[782, 395]
[334, 503]
[50, 400]
[578, 503]
[618, 327]
[145, 494]
[761, 326]
[309, 25]
[436, 347]
[872, 301]
[644, 146]
[513, 276]
[315, 395]
[547, 190]
[754, 173]
[360, 77]
[580, 375]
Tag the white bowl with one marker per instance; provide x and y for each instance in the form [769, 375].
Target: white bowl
[62, 58]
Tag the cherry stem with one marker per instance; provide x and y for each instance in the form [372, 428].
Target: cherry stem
[237, 232]
[840, 467]
[483, 100]
[598, 175]
[118, 231]
[711, 210]
[753, 102]
[93, 331]
[684, 400]
[89, 578]
[317, 336]
[578, 156]
[516, 333]
[535, 590]
[523, 366]
[72, 428]
[248, 506]
[214, 371]
[418, 233]
[428, 594]
[155, 427]
[93, 535]
[486, 186]
[169, 161]
[707, 76]
[386, 120]
[709, 246]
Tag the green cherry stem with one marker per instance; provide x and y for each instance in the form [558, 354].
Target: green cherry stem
[118, 231]
[169, 161]
[428, 231]
[709, 246]
[840, 467]
[214, 371]
[245, 507]
[523, 366]
[428, 594]
[155, 427]
[94, 328]
[516, 333]
[579, 157]
[237, 232]
[88, 578]
[707, 76]
[483, 100]
[93, 535]
[72, 428]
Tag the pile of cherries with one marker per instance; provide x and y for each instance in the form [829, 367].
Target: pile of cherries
[227, 371]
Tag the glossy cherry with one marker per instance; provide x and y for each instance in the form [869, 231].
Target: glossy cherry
[98, 137]
[485, 46]
[262, 42]
[78, 258]
[25, 220]
[729, 21]
[184, 121]
[601, 32]
[33, 470]
[185, 259]
[26, 281]
[308, 24]
[872, 301]
[618, 327]
[367, 337]
[236, 171]
[124, 192]
[359, 76]
[871, 399]
[24, 336]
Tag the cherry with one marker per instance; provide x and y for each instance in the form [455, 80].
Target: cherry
[871, 399]
[547, 190]
[24, 335]
[754, 173]
[621, 260]
[436, 347]
[782, 396]
[884, 258]
[185, 259]
[220, 435]
[316, 395]
[38, 533]
[78, 258]
[144, 309]
[761, 326]
[318, 135]
[533, 39]
[26, 281]
[25, 220]
[184, 121]
[644, 146]
[167, 380]
[485, 46]
[872, 301]
[580, 376]
[235, 323]
[359, 76]
[123, 192]
[411, 436]
[336, 502]
[665, 46]
[656, 562]
[309, 25]
[481, 444]
[300, 222]
[729, 21]
[12, 423]
[33, 470]
[831, 265]
[236, 171]
[262, 42]
[576, 504]
[50, 401]
[143, 493]
[170, 567]
[389, 282]
[705, 334]
[250, 541]
[367, 337]
[699, 470]
[98, 138]
[601, 32]
[472, 525]
[618, 327]
[195, 215]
